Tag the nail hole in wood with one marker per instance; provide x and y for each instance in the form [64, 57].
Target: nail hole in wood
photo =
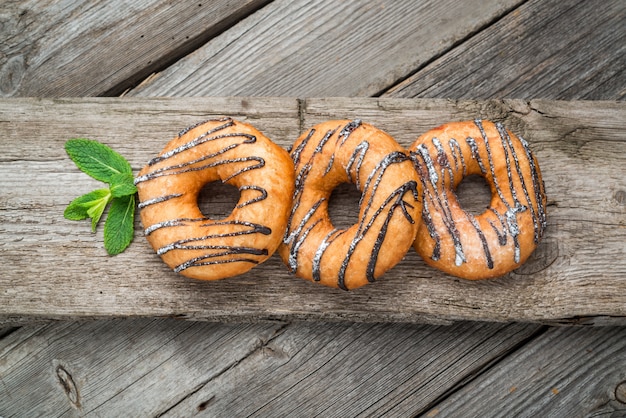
[203, 405]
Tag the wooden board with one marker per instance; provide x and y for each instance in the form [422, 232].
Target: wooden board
[54, 268]
[145, 365]
[588, 381]
[324, 48]
[182, 368]
[525, 54]
[69, 48]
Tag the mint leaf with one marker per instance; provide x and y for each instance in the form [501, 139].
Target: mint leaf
[97, 209]
[90, 205]
[103, 164]
[96, 159]
[119, 226]
[122, 184]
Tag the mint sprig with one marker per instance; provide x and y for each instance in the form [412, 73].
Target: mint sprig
[103, 164]
[96, 159]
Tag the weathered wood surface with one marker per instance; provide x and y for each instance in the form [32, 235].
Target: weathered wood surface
[68, 48]
[576, 275]
[275, 369]
[591, 77]
[564, 373]
[324, 48]
[574, 49]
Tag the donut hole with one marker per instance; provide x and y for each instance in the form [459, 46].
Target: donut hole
[343, 206]
[473, 194]
[217, 200]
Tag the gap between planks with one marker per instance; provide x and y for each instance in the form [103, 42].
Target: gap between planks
[143, 75]
[476, 374]
[495, 19]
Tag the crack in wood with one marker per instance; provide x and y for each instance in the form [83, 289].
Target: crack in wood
[317, 369]
[187, 47]
[301, 114]
[387, 90]
[475, 373]
[5, 332]
[260, 345]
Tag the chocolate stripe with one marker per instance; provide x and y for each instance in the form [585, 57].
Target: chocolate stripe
[159, 199]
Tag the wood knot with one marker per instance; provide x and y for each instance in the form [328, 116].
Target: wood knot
[620, 197]
[69, 386]
[11, 74]
[544, 255]
[620, 392]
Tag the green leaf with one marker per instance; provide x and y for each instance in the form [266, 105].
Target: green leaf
[96, 159]
[95, 212]
[103, 164]
[90, 205]
[119, 226]
[122, 184]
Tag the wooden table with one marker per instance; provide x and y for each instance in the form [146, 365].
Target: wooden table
[274, 346]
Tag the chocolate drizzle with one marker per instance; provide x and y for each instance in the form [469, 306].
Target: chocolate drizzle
[298, 236]
[363, 228]
[454, 149]
[262, 195]
[212, 242]
[433, 162]
[299, 229]
[158, 200]
[249, 228]
[357, 157]
[539, 188]
[348, 129]
[228, 251]
[439, 199]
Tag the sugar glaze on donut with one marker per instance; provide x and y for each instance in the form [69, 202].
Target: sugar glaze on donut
[507, 232]
[344, 151]
[169, 185]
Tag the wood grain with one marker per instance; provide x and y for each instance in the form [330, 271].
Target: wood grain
[568, 50]
[338, 370]
[540, 380]
[68, 48]
[58, 269]
[94, 353]
[95, 368]
[323, 48]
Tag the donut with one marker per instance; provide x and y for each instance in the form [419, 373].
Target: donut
[502, 237]
[343, 151]
[168, 186]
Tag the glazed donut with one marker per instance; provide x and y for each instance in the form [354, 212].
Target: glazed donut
[343, 151]
[507, 232]
[169, 185]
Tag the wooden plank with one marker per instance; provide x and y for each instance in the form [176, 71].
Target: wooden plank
[323, 48]
[160, 368]
[115, 368]
[346, 371]
[68, 48]
[541, 380]
[522, 56]
[576, 274]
